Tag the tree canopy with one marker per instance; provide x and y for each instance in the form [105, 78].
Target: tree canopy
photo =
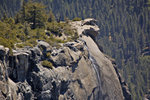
[34, 13]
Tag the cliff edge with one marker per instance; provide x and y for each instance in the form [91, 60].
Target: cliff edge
[77, 70]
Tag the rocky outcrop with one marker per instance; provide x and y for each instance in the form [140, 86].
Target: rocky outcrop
[80, 71]
[105, 69]
[8, 89]
[86, 27]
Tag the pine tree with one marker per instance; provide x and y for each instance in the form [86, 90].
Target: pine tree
[34, 13]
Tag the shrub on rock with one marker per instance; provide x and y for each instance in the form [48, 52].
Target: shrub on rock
[48, 64]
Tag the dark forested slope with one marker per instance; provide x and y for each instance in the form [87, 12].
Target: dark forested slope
[124, 32]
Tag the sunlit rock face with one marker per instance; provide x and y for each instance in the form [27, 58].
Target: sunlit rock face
[80, 71]
[109, 87]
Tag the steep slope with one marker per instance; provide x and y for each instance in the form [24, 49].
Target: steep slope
[78, 71]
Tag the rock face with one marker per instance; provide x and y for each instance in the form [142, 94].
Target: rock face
[8, 89]
[110, 79]
[80, 71]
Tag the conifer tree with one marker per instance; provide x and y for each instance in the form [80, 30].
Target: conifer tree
[34, 13]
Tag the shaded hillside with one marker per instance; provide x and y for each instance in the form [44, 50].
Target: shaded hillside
[124, 34]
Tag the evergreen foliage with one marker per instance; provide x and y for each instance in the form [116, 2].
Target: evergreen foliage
[31, 24]
[33, 13]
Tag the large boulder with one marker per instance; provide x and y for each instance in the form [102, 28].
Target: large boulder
[44, 45]
[87, 27]
[89, 21]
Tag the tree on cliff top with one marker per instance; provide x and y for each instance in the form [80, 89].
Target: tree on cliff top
[34, 13]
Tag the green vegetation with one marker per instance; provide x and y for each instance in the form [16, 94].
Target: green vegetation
[32, 23]
[48, 64]
[58, 29]
[48, 54]
[34, 13]
[77, 19]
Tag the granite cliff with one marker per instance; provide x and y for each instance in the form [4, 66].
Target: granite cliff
[79, 70]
